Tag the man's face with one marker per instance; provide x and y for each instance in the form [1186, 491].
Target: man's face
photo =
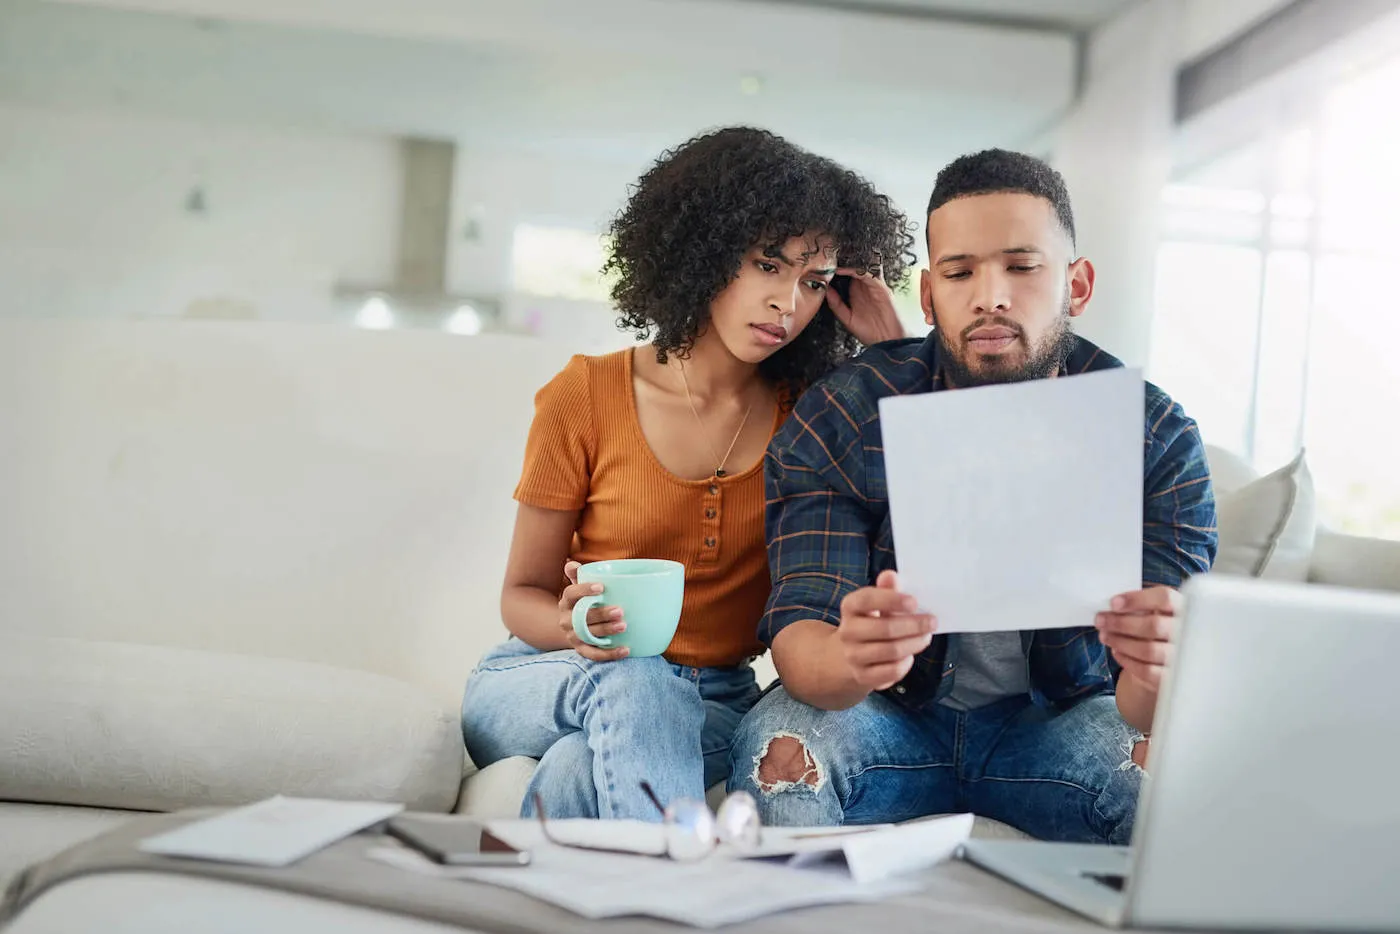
[1001, 287]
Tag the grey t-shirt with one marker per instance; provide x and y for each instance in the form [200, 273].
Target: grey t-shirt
[991, 666]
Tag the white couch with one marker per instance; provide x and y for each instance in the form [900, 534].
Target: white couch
[239, 559]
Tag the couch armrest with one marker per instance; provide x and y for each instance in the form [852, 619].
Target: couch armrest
[1355, 561]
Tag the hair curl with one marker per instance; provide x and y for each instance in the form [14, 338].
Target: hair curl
[702, 206]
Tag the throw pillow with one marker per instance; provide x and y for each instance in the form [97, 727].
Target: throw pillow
[1268, 526]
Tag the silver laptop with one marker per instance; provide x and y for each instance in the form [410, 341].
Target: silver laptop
[1274, 801]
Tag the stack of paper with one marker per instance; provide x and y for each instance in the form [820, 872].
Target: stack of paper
[836, 865]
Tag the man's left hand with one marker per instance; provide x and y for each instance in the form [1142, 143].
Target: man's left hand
[1138, 629]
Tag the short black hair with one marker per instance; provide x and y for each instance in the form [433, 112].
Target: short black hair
[689, 221]
[996, 170]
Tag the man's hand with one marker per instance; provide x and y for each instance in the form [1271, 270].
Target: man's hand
[1139, 629]
[871, 315]
[880, 633]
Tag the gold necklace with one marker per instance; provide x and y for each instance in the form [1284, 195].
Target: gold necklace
[719, 461]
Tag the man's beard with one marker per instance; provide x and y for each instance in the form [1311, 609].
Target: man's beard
[1042, 361]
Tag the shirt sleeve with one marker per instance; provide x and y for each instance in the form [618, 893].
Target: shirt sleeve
[1179, 536]
[559, 451]
[817, 519]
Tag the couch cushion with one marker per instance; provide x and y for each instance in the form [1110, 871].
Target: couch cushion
[326, 494]
[1356, 561]
[1228, 471]
[1268, 526]
[498, 790]
[33, 832]
[157, 728]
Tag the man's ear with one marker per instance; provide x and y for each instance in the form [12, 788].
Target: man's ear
[1081, 286]
[926, 295]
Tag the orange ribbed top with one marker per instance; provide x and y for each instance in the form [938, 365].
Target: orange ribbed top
[586, 452]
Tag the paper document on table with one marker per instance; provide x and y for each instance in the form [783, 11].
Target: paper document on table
[702, 893]
[649, 838]
[277, 831]
[868, 853]
[1017, 506]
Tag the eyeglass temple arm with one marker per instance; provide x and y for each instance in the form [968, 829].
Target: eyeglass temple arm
[660, 808]
[544, 824]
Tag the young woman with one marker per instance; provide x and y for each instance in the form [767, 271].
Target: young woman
[725, 255]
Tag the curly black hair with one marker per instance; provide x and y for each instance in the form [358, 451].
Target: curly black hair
[996, 170]
[702, 206]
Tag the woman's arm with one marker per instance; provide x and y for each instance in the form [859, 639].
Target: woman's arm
[536, 604]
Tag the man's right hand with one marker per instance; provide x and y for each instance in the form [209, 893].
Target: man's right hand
[881, 632]
[603, 621]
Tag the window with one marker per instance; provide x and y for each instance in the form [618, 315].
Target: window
[1275, 324]
[1352, 397]
[559, 262]
[1205, 333]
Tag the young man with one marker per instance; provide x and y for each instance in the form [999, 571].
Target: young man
[878, 718]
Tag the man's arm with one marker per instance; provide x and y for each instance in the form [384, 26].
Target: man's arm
[834, 639]
[1179, 540]
[872, 649]
[807, 655]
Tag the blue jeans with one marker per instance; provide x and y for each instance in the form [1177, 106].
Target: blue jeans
[600, 728]
[1065, 776]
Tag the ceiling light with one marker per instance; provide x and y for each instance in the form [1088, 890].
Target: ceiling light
[375, 314]
[465, 320]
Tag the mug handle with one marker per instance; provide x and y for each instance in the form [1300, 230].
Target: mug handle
[581, 621]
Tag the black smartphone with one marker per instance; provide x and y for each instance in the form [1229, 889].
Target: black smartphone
[454, 841]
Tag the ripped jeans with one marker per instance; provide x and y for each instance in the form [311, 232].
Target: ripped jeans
[1057, 776]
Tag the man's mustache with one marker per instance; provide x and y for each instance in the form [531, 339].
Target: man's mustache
[998, 321]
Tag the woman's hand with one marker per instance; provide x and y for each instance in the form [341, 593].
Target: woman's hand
[602, 620]
[871, 315]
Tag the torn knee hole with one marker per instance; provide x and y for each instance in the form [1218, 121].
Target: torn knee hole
[1135, 752]
[1139, 755]
[785, 763]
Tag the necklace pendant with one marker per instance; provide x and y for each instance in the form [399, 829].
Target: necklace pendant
[719, 471]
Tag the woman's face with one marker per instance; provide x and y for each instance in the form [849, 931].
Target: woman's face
[773, 297]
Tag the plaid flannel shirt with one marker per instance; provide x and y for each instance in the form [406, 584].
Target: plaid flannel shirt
[828, 524]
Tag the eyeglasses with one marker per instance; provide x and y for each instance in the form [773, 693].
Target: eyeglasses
[691, 830]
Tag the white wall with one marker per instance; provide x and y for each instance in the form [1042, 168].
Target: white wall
[500, 189]
[1209, 23]
[1114, 150]
[495, 190]
[93, 219]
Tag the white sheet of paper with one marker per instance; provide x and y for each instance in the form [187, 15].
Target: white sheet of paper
[705, 893]
[1017, 506]
[869, 853]
[649, 839]
[277, 831]
[906, 848]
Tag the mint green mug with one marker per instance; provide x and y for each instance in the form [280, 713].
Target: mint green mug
[649, 590]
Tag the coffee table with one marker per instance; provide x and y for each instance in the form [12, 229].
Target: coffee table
[956, 898]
